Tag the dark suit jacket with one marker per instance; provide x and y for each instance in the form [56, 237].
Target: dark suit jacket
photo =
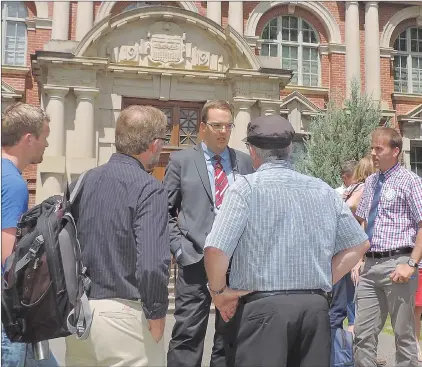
[191, 205]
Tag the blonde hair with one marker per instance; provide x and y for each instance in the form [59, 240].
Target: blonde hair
[21, 119]
[137, 127]
[363, 170]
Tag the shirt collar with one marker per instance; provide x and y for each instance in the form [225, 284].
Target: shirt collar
[120, 157]
[209, 154]
[276, 164]
[391, 171]
[8, 161]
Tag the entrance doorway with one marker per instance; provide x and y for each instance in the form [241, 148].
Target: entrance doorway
[183, 119]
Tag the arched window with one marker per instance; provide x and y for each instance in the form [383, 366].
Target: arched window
[14, 33]
[408, 61]
[296, 43]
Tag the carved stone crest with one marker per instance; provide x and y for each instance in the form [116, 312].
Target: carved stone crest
[166, 43]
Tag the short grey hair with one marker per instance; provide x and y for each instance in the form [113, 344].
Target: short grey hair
[269, 155]
[137, 127]
[20, 119]
[348, 167]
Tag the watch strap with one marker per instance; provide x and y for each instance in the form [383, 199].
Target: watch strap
[216, 293]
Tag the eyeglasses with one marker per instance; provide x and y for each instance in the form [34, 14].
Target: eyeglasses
[218, 126]
[165, 139]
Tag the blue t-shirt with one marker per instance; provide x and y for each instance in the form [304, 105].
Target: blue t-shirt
[14, 194]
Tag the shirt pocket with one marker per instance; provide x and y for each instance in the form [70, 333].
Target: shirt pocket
[393, 202]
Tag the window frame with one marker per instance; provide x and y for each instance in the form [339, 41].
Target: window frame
[413, 158]
[300, 44]
[4, 21]
[409, 54]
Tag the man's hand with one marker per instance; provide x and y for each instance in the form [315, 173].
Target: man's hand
[355, 272]
[402, 273]
[156, 328]
[227, 302]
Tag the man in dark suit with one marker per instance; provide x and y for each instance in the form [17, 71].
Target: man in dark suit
[196, 180]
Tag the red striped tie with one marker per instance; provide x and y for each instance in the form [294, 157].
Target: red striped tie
[221, 181]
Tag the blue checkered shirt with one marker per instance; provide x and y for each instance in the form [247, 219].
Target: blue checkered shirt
[399, 209]
[282, 229]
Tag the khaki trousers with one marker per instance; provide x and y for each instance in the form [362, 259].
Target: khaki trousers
[378, 296]
[119, 336]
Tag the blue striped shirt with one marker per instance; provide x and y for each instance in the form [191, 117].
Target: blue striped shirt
[282, 229]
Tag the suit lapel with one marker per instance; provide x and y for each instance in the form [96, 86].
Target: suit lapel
[202, 170]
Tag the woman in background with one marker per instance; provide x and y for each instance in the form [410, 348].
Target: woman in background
[352, 196]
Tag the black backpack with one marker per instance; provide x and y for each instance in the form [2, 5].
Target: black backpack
[44, 284]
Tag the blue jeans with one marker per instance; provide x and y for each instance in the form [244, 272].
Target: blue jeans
[342, 304]
[20, 355]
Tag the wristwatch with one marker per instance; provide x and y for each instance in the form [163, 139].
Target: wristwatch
[413, 263]
[216, 293]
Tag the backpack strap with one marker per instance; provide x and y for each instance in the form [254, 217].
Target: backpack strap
[77, 189]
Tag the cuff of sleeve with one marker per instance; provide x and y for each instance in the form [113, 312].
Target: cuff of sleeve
[156, 311]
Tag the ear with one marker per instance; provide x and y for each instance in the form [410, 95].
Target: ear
[396, 152]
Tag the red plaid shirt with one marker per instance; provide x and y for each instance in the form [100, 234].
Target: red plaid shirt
[399, 209]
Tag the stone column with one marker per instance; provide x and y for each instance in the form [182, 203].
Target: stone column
[85, 18]
[269, 108]
[236, 16]
[352, 39]
[372, 51]
[214, 11]
[52, 168]
[242, 116]
[60, 20]
[85, 122]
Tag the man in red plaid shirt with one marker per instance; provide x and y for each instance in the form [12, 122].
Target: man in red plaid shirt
[391, 208]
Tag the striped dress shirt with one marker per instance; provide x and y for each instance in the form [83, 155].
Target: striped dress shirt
[122, 227]
[399, 209]
[282, 229]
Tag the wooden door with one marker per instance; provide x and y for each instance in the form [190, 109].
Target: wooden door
[183, 119]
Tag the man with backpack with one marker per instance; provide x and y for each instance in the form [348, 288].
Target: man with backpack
[25, 129]
[122, 224]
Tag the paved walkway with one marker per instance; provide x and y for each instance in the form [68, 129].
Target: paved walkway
[386, 344]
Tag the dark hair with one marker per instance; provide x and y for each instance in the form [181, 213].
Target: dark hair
[394, 138]
[217, 105]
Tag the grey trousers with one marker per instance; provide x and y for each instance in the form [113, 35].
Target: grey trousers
[378, 296]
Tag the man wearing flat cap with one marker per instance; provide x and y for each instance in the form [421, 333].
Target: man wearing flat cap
[291, 236]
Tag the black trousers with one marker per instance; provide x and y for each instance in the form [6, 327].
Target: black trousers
[284, 331]
[193, 302]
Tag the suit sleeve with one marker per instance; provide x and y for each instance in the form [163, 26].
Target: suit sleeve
[173, 186]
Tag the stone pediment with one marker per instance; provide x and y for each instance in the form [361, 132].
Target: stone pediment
[414, 115]
[297, 99]
[7, 91]
[166, 44]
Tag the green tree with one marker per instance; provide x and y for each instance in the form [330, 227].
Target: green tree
[341, 134]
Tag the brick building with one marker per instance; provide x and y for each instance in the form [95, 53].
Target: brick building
[84, 61]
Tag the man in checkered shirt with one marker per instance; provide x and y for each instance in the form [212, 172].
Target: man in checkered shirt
[391, 208]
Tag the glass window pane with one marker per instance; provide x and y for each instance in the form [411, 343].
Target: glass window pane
[285, 34]
[294, 52]
[314, 68]
[314, 54]
[293, 22]
[306, 53]
[396, 44]
[313, 37]
[306, 79]
[273, 22]
[273, 50]
[420, 33]
[413, 46]
[286, 52]
[293, 35]
[285, 22]
[314, 80]
[306, 37]
[415, 62]
[420, 46]
[266, 32]
[273, 33]
[305, 25]
[403, 45]
[413, 33]
[264, 49]
[306, 67]
[16, 10]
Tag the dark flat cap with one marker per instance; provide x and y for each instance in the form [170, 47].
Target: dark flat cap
[269, 132]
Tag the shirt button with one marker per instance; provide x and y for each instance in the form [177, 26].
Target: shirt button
[211, 208]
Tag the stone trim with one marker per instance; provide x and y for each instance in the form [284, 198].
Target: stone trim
[313, 91]
[319, 10]
[11, 69]
[107, 6]
[407, 97]
[395, 20]
[42, 9]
